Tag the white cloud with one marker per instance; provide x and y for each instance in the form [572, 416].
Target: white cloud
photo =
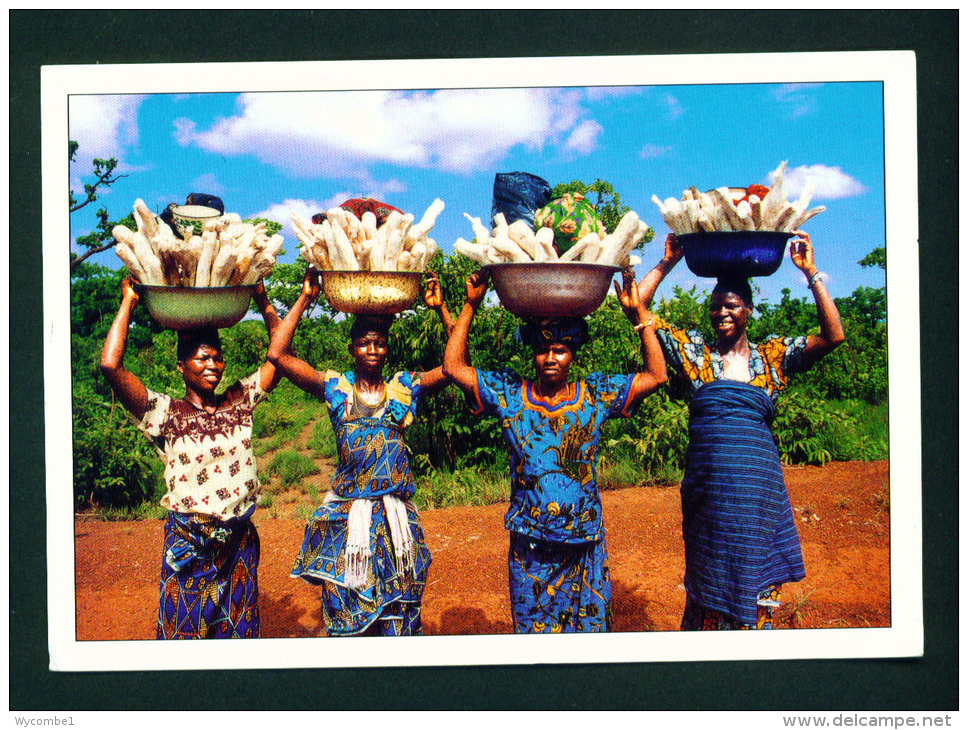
[281, 212]
[798, 99]
[672, 106]
[832, 182]
[649, 151]
[314, 134]
[600, 93]
[584, 138]
[103, 126]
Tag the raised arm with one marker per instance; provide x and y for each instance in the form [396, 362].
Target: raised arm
[457, 361]
[648, 380]
[129, 390]
[831, 328]
[650, 282]
[298, 371]
[433, 380]
[268, 374]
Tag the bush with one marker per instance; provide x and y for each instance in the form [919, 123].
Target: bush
[115, 466]
[292, 467]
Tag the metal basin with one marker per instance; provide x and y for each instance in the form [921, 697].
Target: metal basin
[371, 292]
[186, 308]
[734, 254]
[551, 289]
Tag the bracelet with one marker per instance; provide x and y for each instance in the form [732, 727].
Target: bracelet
[642, 325]
[814, 279]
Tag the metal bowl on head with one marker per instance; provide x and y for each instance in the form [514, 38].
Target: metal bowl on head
[187, 308]
[551, 289]
[734, 254]
[371, 292]
[193, 217]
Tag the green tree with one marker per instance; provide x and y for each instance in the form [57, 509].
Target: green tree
[105, 175]
[608, 203]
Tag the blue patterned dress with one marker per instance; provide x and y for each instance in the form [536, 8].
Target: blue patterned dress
[740, 538]
[557, 561]
[373, 462]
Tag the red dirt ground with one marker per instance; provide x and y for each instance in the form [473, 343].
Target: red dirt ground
[842, 513]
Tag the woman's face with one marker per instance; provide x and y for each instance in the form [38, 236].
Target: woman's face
[551, 362]
[728, 315]
[203, 370]
[370, 351]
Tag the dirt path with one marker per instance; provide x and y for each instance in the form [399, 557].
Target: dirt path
[842, 515]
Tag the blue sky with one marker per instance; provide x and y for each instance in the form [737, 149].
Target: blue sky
[268, 153]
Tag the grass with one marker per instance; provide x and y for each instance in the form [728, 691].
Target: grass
[322, 440]
[793, 611]
[291, 467]
[463, 487]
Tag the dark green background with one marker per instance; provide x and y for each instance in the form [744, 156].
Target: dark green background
[40, 38]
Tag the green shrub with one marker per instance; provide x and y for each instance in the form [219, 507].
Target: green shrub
[291, 467]
[115, 466]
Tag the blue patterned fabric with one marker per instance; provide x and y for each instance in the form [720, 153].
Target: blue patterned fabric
[737, 523]
[558, 588]
[372, 462]
[390, 596]
[208, 578]
[372, 457]
[553, 451]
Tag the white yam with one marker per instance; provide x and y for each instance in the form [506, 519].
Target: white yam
[369, 225]
[480, 232]
[590, 243]
[520, 232]
[475, 251]
[345, 249]
[126, 254]
[544, 239]
[429, 218]
[500, 226]
[804, 217]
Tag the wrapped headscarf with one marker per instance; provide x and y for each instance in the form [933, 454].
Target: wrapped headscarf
[572, 218]
[569, 331]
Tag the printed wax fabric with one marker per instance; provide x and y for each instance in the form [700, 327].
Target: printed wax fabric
[553, 450]
[359, 206]
[391, 596]
[571, 217]
[737, 524]
[209, 462]
[517, 195]
[558, 588]
[372, 462]
[770, 365]
[208, 585]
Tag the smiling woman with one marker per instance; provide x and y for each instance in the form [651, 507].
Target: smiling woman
[740, 539]
[209, 584]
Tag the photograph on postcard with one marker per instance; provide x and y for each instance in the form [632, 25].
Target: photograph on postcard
[391, 349]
